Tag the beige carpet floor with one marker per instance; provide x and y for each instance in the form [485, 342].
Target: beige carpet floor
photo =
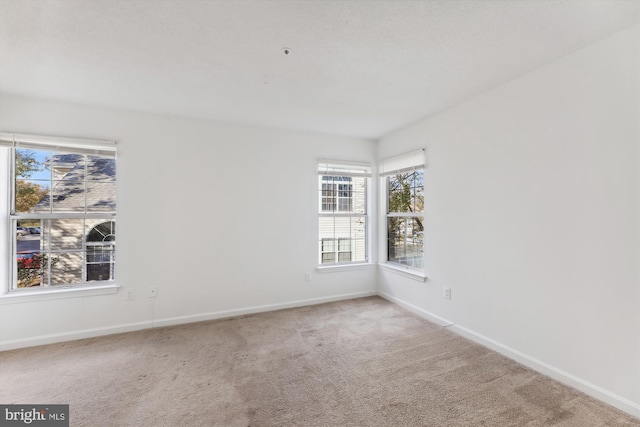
[363, 362]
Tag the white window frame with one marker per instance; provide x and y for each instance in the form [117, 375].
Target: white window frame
[9, 142]
[345, 170]
[408, 162]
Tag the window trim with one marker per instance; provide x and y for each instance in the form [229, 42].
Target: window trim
[352, 170]
[59, 145]
[23, 295]
[407, 162]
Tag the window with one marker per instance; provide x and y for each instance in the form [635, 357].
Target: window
[335, 249]
[62, 211]
[404, 183]
[343, 220]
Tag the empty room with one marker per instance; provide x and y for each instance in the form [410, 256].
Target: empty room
[328, 213]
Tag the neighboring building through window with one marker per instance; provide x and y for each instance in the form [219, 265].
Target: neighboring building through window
[404, 183]
[335, 250]
[62, 211]
[343, 218]
[101, 250]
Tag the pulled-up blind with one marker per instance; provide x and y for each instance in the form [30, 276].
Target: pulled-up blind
[60, 145]
[334, 168]
[403, 163]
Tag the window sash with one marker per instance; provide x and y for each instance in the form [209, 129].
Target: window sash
[59, 248]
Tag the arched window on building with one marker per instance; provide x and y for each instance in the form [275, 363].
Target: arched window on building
[101, 248]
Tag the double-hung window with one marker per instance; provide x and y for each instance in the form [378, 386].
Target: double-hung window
[403, 179]
[343, 219]
[62, 211]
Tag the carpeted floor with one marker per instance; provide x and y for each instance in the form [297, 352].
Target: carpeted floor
[363, 362]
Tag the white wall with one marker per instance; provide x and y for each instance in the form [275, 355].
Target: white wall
[222, 218]
[533, 218]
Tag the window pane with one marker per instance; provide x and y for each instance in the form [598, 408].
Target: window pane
[101, 168]
[328, 245]
[327, 196]
[344, 257]
[62, 234]
[28, 252]
[68, 196]
[344, 204]
[325, 227]
[100, 262]
[343, 234]
[68, 167]
[405, 241]
[328, 258]
[99, 254]
[66, 268]
[29, 268]
[398, 192]
[101, 197]
[417, 191]
[32, 180]
[32, 195]
[342, 227]
[99, 272]
[358, 238]
[337, 194]
[344, 245]
[358, 195]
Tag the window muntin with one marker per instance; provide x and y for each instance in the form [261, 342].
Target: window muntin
[403, 179]
[62, 195]
[343, 218]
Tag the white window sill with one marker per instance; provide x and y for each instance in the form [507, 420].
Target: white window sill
[23, 296]
[343, 267]
[404, 271]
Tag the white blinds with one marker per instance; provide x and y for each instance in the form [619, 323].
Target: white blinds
[336, 168]
[61, 145]
[403, 163]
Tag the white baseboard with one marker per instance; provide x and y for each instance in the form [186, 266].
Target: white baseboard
[96, 332]
[559, 375]
[417, 310]
[75, 335]
[553, 372]
[257, 309]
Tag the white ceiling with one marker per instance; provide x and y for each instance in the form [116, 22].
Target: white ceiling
[360, 68]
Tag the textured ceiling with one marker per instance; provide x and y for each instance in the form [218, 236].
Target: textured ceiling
[361, 68]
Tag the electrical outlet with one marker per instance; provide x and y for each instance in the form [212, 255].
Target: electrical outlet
[130, 295]
[153, 291]
[307, 277]
[447, 293]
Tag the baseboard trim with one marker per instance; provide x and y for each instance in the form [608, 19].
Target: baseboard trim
[257, 309]
[557, 374]
[130, 327]
[417, 310]
[75, 335]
